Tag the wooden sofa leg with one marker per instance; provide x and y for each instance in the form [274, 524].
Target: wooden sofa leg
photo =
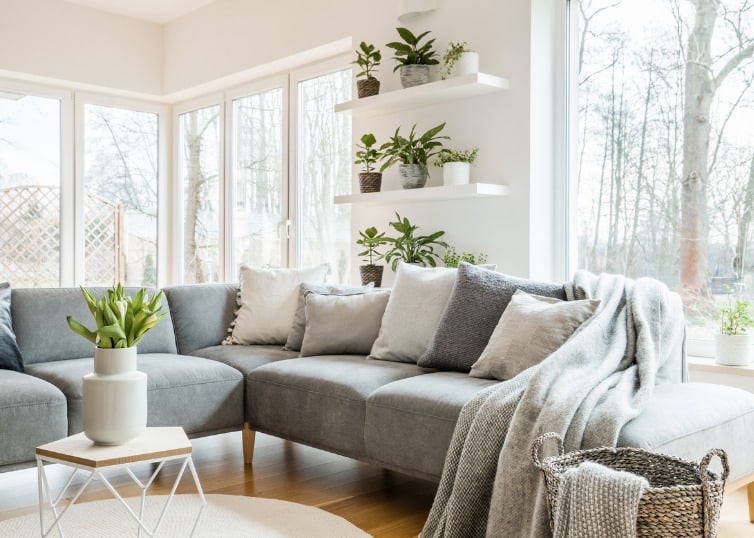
[248, 435]
[750, 493]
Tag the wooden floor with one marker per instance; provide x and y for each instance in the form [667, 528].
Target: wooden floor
[383, 503]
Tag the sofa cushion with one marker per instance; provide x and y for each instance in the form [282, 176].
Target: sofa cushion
[201, 314]
[43, 311]
[32, 413]
[10, 355]
[245, 358]
[409, 423]
[688, 419]
[478, 300]
[319, 401]
[201, 395]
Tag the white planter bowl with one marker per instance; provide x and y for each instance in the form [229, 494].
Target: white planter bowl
[467, 64]
[733, 350]
[456, 173]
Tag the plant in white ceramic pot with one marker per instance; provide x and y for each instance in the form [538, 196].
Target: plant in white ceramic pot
[115, 395]
[456, 164]
[459, 60]
[412, 153]
[413, 57]
[733, 343]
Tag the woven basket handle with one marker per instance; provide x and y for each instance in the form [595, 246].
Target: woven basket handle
[536, 447]
[720, 453]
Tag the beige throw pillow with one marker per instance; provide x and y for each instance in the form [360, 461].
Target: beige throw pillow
[530, 329]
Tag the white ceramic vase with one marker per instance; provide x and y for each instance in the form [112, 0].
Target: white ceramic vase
[456, 173]
[115, 397]
[733, 350]
[467, 64]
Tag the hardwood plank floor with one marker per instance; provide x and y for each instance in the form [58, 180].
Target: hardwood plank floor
[383, 503]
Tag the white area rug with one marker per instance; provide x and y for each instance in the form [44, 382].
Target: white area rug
[224, 516]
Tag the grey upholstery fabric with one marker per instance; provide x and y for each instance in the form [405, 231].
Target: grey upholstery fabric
[10, 355]
[687, 419]
[319, 401]
[201, 314]
[198, 394]
[43, 312]
[245, 358]
[476, 303]
[409, 423]
[32, 413]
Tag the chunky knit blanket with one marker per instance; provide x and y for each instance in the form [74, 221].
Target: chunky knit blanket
[586, 391]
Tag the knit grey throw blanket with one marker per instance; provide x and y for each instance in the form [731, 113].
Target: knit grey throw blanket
[586, 391]
[595, 501]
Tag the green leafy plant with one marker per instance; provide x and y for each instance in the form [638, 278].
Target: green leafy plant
[447, 155]
[410, 51]
[368, 155]
[411, 248]
[414, 149]
[367, 58]
[451, 56]
[121, 321]
[451, 258]
[371, 240]
[736, 317]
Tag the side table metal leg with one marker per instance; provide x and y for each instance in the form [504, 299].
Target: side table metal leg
[201, 495]
[45, 486]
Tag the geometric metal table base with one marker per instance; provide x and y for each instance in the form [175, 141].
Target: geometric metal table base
[76, 459]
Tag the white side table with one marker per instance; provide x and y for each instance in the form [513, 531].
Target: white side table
[78, 452]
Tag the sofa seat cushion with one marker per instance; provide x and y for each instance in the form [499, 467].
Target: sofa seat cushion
[409, 423]
[32, 413]
[688, 419]
[245, 358]
[201, 395]
[319, 401]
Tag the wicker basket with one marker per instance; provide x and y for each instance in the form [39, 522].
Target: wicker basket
[683, 499]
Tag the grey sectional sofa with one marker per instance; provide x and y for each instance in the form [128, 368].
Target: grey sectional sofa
[395, 415]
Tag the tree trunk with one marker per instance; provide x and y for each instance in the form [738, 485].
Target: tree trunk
[739, 262]
[193, 265]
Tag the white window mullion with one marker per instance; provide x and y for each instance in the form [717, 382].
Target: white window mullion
[78, 194]
[67, 190]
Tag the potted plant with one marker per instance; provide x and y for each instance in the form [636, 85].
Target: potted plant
[371, 240]
[413, 57]
[115, 395]
[412, 153]
[370, 180]
[367, 58]
[456, 164]
[451, 258]
[411, 248]
[458, 60]
[733, 343]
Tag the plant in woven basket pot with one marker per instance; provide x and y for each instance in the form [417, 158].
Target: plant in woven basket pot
[371, 240]
[733, 342]
[412, 153]
[459, 60]
[115, 394]
[367, 155]
[413, 57]
[456, 165]
[412, 248]
[367, 58]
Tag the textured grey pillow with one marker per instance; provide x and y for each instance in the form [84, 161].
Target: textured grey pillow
[530, 329]
[296, 335]
[10, 355]
[478, 300]
[342, 324]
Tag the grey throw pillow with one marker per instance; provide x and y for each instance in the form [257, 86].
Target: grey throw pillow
[296, 335]
[342, 324]
[476, 303]
[10, 354]
[530, 329]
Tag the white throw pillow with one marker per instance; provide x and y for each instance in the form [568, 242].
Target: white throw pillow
[267, 303]
[416, 304]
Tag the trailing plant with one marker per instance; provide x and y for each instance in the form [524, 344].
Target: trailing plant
[447, 155]
[451, 56]
[411, 248]
[410, 51]
[414, 149]
[368, 155]
[736, 317]
[120, 321]
[451, 258]
[371, 240]
[367, 58]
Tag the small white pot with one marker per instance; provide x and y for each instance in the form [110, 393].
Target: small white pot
[467, 64]
[733, 350]
[456, 173]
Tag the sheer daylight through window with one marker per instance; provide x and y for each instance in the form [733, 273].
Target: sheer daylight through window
[666, 146]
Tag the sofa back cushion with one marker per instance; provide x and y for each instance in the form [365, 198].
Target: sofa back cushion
[43, 335]
[201, 314]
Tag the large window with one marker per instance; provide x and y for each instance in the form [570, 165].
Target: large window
[666, 145]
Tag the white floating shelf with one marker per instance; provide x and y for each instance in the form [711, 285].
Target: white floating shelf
[426, 194]
[426, 94]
